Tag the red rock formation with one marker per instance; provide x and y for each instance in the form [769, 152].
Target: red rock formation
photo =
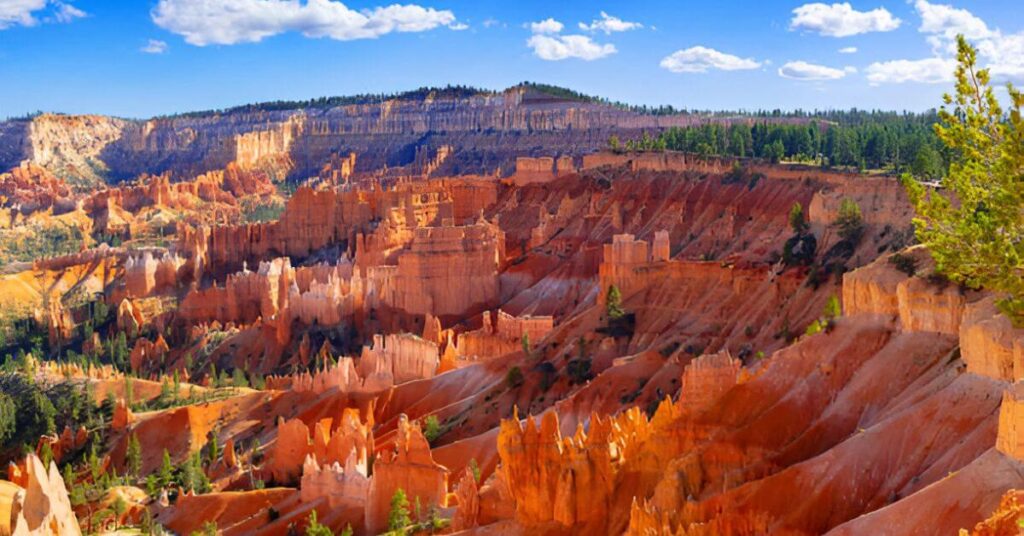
[502, 335]
[123, 417]
[989, 343]
[1005, 520]
[1010, 440]
[395, 359]
[146, 274]
[621, 258]
[467, 511]
[343, 486]
[146, 355]
[67, 442]
[39, 504]
[706, 379]
[348, 443]
[129, 317]
[409, 467]
[441, 259]
[30, 187]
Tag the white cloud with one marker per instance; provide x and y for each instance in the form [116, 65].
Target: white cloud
[701, 59]
[848, 50]
[66, 12]
[948, 21]
[801, 70]
[19, 12]
[1002, 53]
[154, 46]
[546, 26]
[458, 26]
[489, 22]
[1005, 55]
[841, 20]
[561, 47]
[609, 24]
[26, 12]
[226, 22]
[929, 71]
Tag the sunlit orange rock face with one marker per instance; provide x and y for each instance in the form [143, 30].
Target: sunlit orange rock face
[409, 467]
[394, 328]
[38, 503]
[738, 445]
[1004, 521]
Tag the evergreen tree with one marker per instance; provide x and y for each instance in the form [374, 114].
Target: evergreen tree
[166, 474]
[976, 237]
[119, 507]
[129, 391]
[8, 418]
[796, 218]
[398, 517]
[613, 303]
[431, 428]
[849, 220]
[832, 308]
[133, 456]
[214, 447]
[314, 528]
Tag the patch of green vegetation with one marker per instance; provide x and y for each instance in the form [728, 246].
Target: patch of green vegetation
[264, 211]
[39, 241]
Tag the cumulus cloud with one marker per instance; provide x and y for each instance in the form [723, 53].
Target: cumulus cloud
[1005, 54]
[546, 26]
[66, 12]
[1002, 54]
[27, 12]
[154, 46]
[928, 71]
[949, 21]
[801, 70]
[549, 44]
[700, 59]
[848, 50]
[841, 20]
[226, 22]
[609, 24]
[561, 47]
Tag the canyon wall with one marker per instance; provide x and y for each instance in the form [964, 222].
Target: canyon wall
[389, 133]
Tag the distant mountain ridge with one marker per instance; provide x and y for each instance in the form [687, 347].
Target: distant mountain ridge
[482, 130]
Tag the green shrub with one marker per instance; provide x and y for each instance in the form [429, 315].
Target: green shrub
[514, 378]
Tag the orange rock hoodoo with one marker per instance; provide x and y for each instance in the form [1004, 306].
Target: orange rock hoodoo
[410, 467]
[38, 503]
[383, 299]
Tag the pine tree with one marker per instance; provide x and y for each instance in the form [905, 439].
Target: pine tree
[431, 428]
[129, 391]
[974, 234]
[8, 418]
[796, 218]
[849, 221]
[214, 447]
[166, 474]
[613, 303]
[314, 528]
[832, 308]
[133, 456]
[398, 517]
[119, 507]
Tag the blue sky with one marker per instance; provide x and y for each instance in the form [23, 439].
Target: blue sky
[138, 58]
